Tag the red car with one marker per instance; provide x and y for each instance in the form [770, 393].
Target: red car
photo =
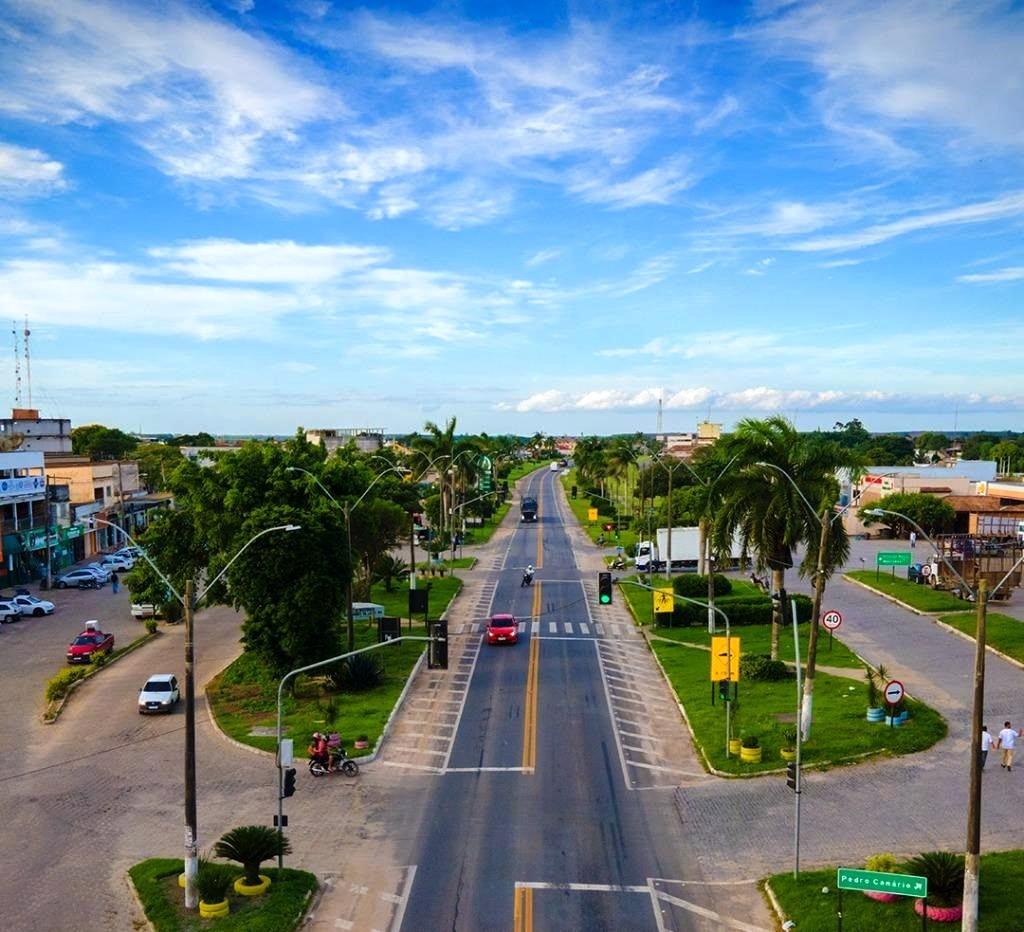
[90, 642]
[502, 629]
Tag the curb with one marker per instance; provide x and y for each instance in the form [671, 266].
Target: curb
[894, 600]
[399, 702]
[138, 902]
[63, 701]
[774, 902]
[967, 637]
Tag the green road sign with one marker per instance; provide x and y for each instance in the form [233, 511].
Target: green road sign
[894, 558]
[850, 878]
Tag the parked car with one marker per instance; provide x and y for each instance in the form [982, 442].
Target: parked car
[99, 570]
[145, 610]
[90, 643]
[9, 611]
[30, 605]
[116, 561]
[133, 553]
[84, 578]
[502, 629]
[160, 694]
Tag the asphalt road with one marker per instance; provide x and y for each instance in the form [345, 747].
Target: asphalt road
[534, 825]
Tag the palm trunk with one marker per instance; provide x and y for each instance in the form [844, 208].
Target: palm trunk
[778, 581]
[812, 641]
[703, 538]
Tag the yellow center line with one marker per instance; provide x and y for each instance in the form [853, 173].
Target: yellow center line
[530, 704]
[522, 910]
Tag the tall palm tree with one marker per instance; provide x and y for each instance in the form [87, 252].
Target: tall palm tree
[434, 444]
[763, 506]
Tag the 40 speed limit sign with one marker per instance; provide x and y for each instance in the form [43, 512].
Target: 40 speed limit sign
[831, 620]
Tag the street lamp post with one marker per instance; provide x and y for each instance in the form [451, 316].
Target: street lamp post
[189, 602]
[972, 861]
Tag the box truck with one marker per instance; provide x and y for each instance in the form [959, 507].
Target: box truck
[685, 550]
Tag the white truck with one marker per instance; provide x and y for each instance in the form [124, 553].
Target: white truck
[685, 550]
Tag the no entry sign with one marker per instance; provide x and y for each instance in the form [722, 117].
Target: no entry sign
[832, 620]
[894, 692]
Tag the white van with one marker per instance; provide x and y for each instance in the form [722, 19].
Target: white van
[554, 467]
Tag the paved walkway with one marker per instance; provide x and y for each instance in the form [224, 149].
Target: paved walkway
[906, 804]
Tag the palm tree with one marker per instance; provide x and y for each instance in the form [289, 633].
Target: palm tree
[765, 508]
[251, 845]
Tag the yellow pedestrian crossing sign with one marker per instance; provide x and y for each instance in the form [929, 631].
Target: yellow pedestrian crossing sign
[663, 601]
[725, 659]
[591, 514]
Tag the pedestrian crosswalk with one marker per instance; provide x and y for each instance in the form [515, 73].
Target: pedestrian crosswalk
[543, 628]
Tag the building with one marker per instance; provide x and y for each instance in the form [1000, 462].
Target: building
[683, 446]
[366, 439]
[23, 517]
[37, 434]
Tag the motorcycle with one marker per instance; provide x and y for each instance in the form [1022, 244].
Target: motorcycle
[527, 579]
[618, 564]
[337, 760]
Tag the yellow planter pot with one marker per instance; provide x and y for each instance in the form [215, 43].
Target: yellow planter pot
[181, 880]
[734, 746]
[750, 755]
[213, 910]
[788, 754]
[243, 889]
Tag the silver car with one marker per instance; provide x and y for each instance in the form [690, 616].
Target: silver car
[84, 578]
[9, 612]
[30, 605]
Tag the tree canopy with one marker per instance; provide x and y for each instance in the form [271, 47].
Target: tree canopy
[99, 442]
[932, 514]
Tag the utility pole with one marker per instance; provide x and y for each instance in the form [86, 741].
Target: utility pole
[412, 553]
[351, 572]
[812, 642]
[668, 556]
[191, 831]
[972, 862]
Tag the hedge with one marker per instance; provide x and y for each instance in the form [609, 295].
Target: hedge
[696, 587]
[741, 610]
[57, 686]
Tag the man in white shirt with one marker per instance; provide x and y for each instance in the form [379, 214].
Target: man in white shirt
[986, 745]
[1007, 741]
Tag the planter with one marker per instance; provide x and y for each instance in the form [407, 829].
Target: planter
[876, 714]
[244, 889]
[904, 715]
[181, 880]
[213, 910]
[939, 913]
[893, 722]
[882, 897]
[360, 745]
[734, 746]
[788, 753]
[750, 755]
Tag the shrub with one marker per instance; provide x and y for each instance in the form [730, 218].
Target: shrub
[57, 686]
[173, 611]
[150, 626]
[885, 862]
[356, 674]
[789, 742]
[945, 873]
[213, 880]
[99, 659]
[250, 846]
[696, 587]
[750, 741]
[742, 610]
[871, 688]
[762, 667]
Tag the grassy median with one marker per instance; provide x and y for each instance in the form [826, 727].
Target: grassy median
[243, 697]
[803, 901]
[923, 598]
[1002, 632]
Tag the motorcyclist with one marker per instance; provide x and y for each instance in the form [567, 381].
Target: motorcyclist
[528, 576]
[318, 749]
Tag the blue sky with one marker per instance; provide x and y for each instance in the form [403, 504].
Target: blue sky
[246, 216]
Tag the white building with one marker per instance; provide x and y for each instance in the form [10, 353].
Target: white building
[38, 434]
[366, 439]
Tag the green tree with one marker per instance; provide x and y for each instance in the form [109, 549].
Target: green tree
[888, 450]
[1008, 456]
[99, 442]
[377, 527]
[930, 442]
[157, 461]
[202, 439]
[932, 514]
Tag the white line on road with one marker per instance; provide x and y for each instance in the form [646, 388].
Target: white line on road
[724, 921]
[585, 887]
[404, 766]
[396, 922]
[488, 770]
[685, 773]
[611, 715]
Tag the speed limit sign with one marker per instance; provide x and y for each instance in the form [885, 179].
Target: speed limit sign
[832, 620]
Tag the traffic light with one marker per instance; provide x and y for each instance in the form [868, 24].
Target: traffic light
[574, 491]
[289, 783]
[792, 776]
[604, 588]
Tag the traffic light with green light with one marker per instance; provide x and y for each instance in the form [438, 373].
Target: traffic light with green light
[604, 588]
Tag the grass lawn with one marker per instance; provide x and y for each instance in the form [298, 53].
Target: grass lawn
[279, 910]
[243, 697]
[1002, 632]
[923, 598]
[801, 900]
[605, 515]
[459, 563]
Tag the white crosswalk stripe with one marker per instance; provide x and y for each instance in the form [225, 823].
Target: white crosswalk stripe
[567, 626]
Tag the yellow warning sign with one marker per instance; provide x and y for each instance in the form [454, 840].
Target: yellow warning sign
[725, 659]
[591, 514]
[663, 601]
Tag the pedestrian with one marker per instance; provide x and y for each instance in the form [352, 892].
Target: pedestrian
[986, 745]
[913, 539]
[1007, 742]
[115, 583]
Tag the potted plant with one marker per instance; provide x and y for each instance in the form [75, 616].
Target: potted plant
[734, 747]
[788, 750]
[887, 864]
[875, 712]
[251, 845]
[750, 750]
[212, 882]
[945, 873]
[362, 742]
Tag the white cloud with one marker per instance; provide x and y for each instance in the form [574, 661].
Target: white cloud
[1014, 273]
[654, 186]
[544, 255]
[25, 172]
[759, 267]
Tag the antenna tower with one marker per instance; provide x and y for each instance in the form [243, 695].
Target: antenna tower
[17, 366]
[28, 362]
[659, 415]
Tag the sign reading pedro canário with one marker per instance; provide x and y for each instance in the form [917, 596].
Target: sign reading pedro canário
[849, 878]
[893, 558]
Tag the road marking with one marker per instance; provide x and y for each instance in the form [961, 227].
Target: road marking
[584, 887]
[564, 637]
[396, 922]
[685, 773]
[567, 627]
[408, 750]
[403, 766]
[489, 770]
[522, 909]
[611, 715]
[723, 921]
[584, 628]
[529, 761]
[553, 627]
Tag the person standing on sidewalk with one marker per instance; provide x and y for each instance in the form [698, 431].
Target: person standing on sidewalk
[115, 583]
[986, 745]
[913, 539]
[1007, 741]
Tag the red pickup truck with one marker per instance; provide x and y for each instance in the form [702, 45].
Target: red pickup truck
[88, 644]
